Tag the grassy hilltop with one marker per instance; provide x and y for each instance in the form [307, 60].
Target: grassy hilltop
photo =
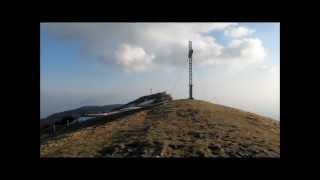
[180, 128]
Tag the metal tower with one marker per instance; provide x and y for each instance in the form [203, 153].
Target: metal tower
[190, 69]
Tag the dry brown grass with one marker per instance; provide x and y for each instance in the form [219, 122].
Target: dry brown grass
[181, 128]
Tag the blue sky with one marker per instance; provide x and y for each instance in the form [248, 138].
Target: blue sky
[236, 64]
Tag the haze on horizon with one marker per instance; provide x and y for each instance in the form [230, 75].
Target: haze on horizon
[235, 64]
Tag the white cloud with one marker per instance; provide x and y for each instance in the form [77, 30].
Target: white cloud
[250, 49]
[275, 70]
[237, 32]
[140, 46]
[239, 53]
[134, 58]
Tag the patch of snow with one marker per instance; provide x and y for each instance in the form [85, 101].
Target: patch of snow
[148, 102]
[82, 119]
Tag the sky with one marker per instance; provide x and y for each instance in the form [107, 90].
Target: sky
[234, 64]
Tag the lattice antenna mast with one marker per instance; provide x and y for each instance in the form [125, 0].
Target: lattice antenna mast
[190, 69]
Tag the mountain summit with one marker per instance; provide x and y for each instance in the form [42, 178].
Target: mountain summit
[178, 128]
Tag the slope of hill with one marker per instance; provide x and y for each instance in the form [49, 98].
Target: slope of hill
[180, 128]
[147, 100]
[77, 112]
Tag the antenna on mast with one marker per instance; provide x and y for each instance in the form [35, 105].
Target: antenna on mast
[190, 69]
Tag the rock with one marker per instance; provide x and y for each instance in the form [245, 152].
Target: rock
[122, 146]
[251, 117]
[215, 147]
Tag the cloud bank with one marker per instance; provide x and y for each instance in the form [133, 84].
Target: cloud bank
[143, 46]
[237, 32]
[133, 57]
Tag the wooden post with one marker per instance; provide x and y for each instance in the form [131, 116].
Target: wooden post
[54, 128]
[50, 128]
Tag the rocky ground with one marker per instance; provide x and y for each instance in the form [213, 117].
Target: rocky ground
[180, 128]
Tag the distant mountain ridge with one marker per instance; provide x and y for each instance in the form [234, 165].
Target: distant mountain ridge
[147, 100]
[78, 112]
